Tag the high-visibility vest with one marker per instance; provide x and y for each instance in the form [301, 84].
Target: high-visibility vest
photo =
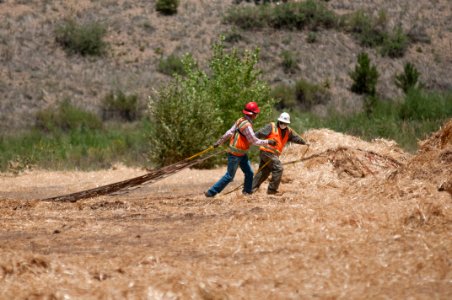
[276, 135]
[238, 144]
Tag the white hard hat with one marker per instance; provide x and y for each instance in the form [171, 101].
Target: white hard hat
[284, 118]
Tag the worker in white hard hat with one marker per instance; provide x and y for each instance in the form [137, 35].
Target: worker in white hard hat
[269, 154]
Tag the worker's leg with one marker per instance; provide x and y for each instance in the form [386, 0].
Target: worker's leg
[263, 172]
[248, 171]
[233, 163]
[277, 171]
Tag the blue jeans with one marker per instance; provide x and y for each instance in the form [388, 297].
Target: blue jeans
[233, 163]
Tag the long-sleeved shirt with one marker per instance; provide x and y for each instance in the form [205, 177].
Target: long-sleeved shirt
[248, 132]
[293, 136]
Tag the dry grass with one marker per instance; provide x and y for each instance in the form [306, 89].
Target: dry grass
[359, 220]
[37, 73]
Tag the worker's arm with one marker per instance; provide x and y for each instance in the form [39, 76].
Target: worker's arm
[296, 138]
[226, 136]
[251, 137]
[264, 131]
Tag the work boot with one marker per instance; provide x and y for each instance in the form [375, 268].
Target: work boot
[246, 193]
[208, 194]
[273, 192]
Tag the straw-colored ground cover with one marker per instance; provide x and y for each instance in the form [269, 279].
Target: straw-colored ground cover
[356, 220]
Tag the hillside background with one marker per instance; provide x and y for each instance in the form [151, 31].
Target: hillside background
[36, 73]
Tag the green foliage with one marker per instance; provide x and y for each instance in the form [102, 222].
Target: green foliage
[66, 117]
[298, 15]
[167, 7]
[308, 95]
[303, 95]
[364, 76]
[312, 37]
[373, 32]
[84, 39]
[192, 112]
[385, 120]
[119, 106]
[171, 65]
[247, 18]
[408, 79]
[75, 149]
[289, 62]
[395, 44]
[292, 15]
[422, 105]
[369, 31]
[233, 36]
[284, 96]
[370, 102]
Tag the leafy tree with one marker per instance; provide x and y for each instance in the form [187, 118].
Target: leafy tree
[193, 111]
[408, 79]
[364, 76]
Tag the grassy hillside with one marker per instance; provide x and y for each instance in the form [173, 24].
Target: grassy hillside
[37, 73]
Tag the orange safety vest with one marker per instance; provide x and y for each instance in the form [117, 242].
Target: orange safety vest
[275, 134]
[238, 144]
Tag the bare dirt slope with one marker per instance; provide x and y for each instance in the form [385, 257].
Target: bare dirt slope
[356, 220]
[36, 73]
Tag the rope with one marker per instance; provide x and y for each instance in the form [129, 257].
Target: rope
[150, 177]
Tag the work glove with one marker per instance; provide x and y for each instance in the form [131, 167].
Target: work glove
[216, 145]
[272, 142]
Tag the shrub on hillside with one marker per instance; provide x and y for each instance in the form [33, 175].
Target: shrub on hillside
[308, 94]
[284, 96]
[167, 7]
[395, 44]
[66, 117]
[289, 62]
[369, 31]
[192, 112]
[119, 106]
[364, 76]
[408, 79]
[171, 65]
[84, 39]
[291, 15]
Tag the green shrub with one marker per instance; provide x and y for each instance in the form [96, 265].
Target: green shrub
[423, 105]
[84, 39]
[292, 15]
[289, 62]
[395, 44]
[233, 36]
[171, 65]
[370, 32]
[119, 106]
[312, 37]
[192, 112]
[66, 117]
[167, 7]
[284, 96]
[308, 95]
[408, 79]
[364, 76]
[247, 18]
[373, 32]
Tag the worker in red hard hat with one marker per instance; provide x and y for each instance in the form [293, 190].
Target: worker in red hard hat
[241, 136]
[269, 154]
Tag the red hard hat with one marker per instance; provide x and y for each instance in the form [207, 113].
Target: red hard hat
[251, 108]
